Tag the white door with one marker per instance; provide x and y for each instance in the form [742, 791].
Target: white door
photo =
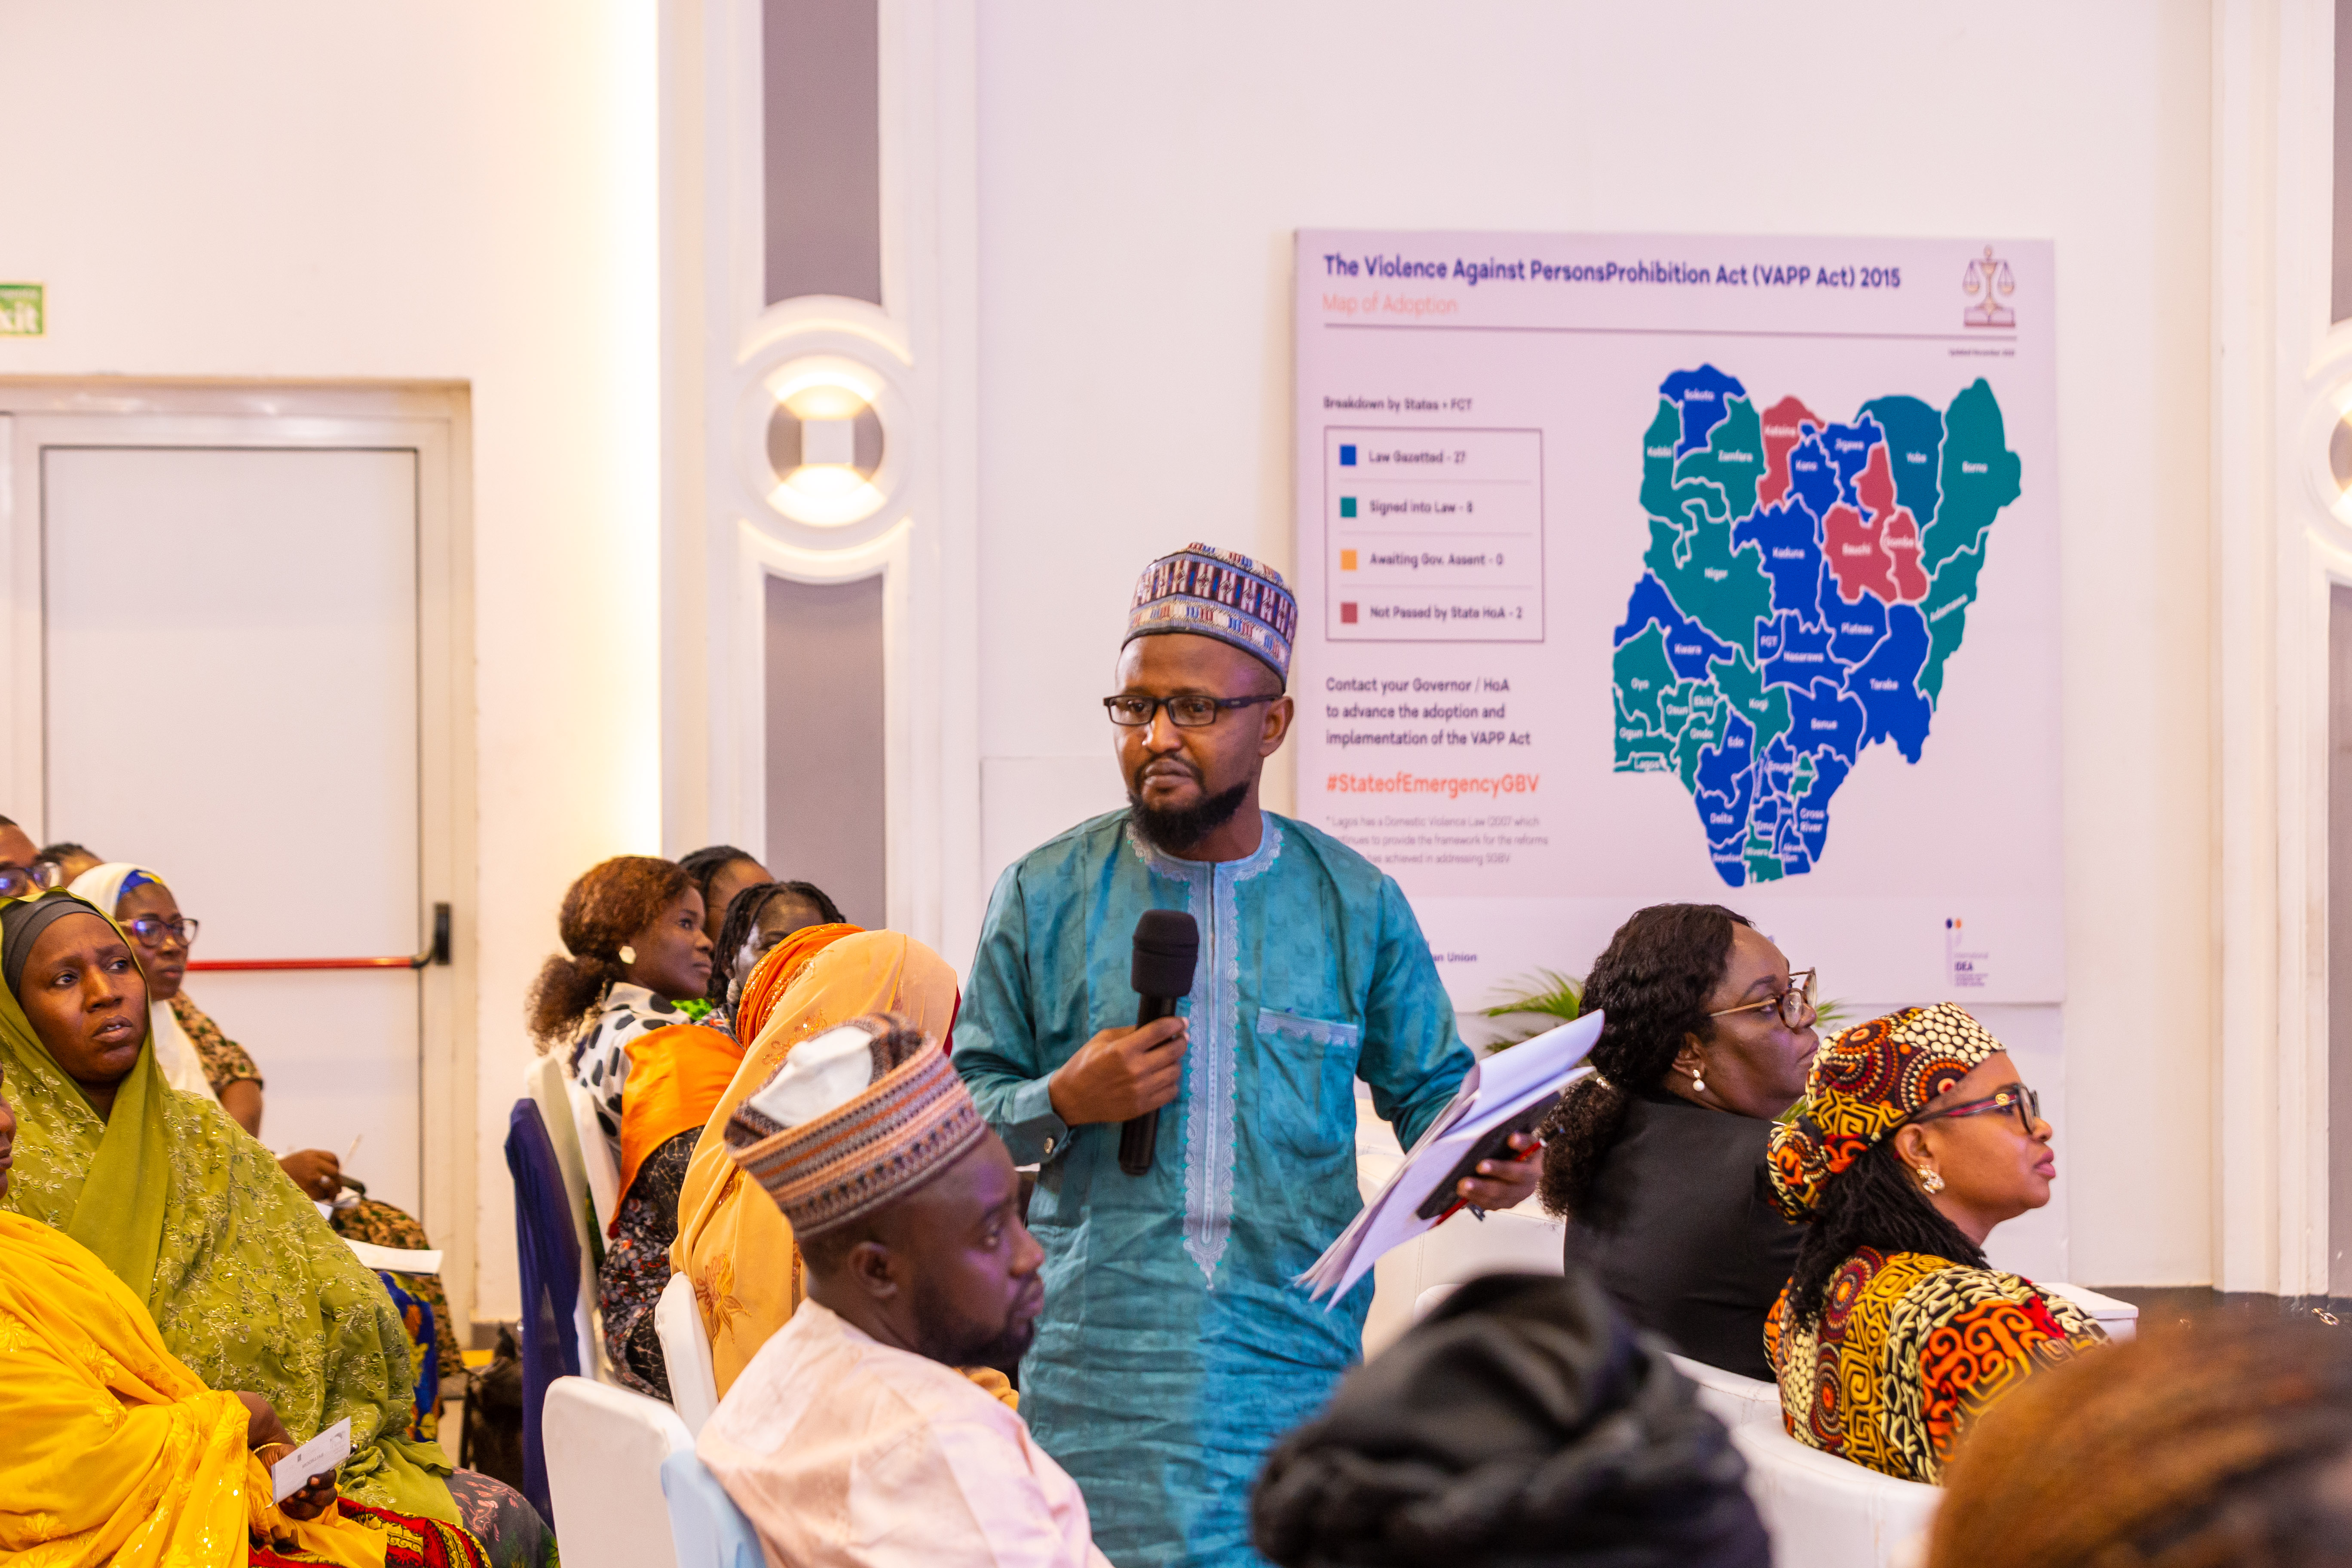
[240, 629]
[231, 698]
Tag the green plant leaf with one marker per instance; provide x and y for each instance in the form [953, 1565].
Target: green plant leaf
[1547, 993]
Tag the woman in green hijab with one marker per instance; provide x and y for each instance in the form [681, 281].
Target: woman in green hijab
[248, 1285]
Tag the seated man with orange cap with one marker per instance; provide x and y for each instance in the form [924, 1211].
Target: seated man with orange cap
[851, 1439]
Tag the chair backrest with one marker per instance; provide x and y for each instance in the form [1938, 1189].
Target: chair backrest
[1821, 1509]
[708, 1528]
[606, 1449]
[1413, 1277]
[2119, 1319]
[1826, 1512]
[603, 1176]
[1734, 1400]
[547, 1251]
[549, 1087]
[686, 1352]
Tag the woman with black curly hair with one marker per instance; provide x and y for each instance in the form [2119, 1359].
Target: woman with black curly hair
[1656, 1160]
[720, 872]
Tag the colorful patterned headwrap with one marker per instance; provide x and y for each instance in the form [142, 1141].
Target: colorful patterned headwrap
[1865, 1084]
[913, 1118]
[1220, 593]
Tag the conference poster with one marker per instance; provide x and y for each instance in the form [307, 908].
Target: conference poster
[1646, 568]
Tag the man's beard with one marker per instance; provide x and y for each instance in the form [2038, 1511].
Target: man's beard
[952, 1342]
[1178, 830]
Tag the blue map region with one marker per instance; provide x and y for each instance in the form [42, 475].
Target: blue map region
[1806, 585]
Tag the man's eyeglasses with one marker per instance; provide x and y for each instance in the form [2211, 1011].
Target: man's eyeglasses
[1796, 1004]
[24, 881]
[1185, 712]
[2009, 1096]
[150, 930]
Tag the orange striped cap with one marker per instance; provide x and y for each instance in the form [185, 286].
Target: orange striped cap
[866, 1153]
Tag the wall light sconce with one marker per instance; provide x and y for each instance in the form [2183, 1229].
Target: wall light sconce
[2326, 457]
[824, 444]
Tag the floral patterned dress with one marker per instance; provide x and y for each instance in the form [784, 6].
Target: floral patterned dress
[1908, 1351]
[637, 1268]
[376, 1224]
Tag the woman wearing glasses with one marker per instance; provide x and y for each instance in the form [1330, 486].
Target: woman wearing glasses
[194, 1056]
[1657, 1159]
[1915, 1139]
[146, 910]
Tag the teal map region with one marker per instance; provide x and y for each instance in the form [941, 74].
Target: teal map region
[1806, 584]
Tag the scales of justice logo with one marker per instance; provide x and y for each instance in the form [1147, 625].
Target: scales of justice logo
[1987, 281]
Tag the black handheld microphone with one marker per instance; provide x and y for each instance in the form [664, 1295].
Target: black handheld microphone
[1167, 948]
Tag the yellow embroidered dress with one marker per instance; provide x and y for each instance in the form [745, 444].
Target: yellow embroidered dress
[1908, 1350]
[116, 1453]
[247, 1287]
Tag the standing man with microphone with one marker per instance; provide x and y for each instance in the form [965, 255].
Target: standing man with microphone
[1174, 1348]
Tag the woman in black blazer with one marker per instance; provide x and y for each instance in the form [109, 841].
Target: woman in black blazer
[1656, 1158]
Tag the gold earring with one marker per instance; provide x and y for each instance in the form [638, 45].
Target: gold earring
[629, 953]
[1929, 1181]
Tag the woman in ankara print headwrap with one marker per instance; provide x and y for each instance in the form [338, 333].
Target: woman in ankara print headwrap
[1915, 1139]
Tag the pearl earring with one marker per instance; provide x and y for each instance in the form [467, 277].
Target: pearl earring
[1698, 1084]
[629, 953]
[1929, 1180]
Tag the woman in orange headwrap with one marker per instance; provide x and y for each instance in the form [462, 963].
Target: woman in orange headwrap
[732, 1240]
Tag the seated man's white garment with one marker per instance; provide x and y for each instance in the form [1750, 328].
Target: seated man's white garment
[844, 1451]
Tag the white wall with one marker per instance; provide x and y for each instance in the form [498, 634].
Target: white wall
[432, 191]
[442, 191]
[1141, 170]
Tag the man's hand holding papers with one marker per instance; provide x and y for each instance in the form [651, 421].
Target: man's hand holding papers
[1497, 1090]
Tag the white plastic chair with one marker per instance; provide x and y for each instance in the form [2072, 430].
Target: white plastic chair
[1821, 1509]
[1414, 1278]
[1826, 1512]
[604, 1448]
[1734, 1400]
[548, 1085]
[2120, 1318]
[686, 1352]
[709, 1531]
[603, 1176]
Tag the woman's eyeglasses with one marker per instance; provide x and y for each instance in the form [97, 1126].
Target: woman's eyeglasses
[2009, 1096]
[150, 930]
[24, 881]
[1185, 712]
[1796, 1004]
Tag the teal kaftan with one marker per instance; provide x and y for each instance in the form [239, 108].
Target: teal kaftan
[1174, 1348]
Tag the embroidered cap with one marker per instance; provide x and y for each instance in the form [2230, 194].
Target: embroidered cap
[855, 1120]
[1220, 593]
[1865, 1084]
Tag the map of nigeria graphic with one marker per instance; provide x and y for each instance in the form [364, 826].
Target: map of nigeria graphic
[1806, 584]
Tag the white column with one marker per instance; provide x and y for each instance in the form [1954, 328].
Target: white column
[727, 351]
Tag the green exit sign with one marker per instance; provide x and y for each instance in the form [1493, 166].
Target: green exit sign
[22, 312]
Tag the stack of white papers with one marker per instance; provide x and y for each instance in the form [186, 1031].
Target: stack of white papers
[1494, 1091]
[396, 1260]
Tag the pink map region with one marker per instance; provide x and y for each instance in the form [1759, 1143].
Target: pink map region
[1784, 425]
[1875, 550]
